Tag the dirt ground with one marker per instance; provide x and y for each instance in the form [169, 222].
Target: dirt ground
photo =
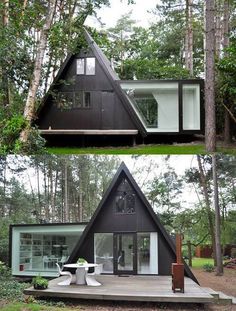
[225, 283]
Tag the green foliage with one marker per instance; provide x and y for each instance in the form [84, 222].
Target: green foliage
[81, 261]
[10, 289]
[208, 267]
[40, 282]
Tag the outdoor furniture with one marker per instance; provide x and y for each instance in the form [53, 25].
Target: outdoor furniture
[81, 271]
[90, 277]
[69, 278]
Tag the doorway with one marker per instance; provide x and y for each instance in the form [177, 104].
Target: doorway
[125, 253]
[107, 110]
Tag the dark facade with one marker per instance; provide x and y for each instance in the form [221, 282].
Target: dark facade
[125, 213]
[87, 98]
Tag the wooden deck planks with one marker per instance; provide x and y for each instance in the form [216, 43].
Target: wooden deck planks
[133, 288]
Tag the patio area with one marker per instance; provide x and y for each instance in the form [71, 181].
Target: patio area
[129, 288]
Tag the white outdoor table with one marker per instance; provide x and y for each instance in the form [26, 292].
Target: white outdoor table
[80, 271]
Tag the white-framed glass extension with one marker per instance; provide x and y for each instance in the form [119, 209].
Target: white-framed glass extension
[161, 107]
[36, 249]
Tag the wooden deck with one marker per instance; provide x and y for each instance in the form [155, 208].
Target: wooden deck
[88, 132]
[132, 288]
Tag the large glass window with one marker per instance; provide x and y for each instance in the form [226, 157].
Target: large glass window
[191, 107]
[90, 66]
[40, 252]
[156, 104]
[80, 69]
[103, 251]
[147, 253]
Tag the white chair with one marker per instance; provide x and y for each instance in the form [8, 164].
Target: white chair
[69, 278]
[90, 277]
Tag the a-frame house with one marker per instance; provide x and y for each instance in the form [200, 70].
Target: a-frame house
[125, 234]
[87, 98]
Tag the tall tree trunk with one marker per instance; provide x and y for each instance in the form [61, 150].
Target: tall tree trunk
[34, 85]
[227, 120]
[204, 187]
[66, 209]
[189, 37]
[210, 126]
[218, 28]
[3, 70]
[219, 263]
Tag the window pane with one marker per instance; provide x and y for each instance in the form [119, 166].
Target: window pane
[87, 103]
[78, 100]
[90, 66]
[191, 107]
[80, 66]
[103, 251]
[147, 253]
[64, 100]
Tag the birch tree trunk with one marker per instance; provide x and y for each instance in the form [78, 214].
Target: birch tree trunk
[227, 120]
[210, 123]
[38, 64]
[189, 37]
[219, 263]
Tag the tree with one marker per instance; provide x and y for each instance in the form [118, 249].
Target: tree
[219, 263]
[210, 125]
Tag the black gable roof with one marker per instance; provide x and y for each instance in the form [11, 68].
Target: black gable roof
[123, 170]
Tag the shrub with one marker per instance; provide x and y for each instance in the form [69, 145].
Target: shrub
[208, 267]
[40, 282]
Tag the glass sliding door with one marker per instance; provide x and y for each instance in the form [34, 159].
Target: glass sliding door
[125, 253]
[147, 253]
[103, 251]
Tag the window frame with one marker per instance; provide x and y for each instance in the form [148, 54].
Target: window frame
[74, 94]
[85, 66]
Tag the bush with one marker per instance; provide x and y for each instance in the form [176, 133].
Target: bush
[40, 282]
[208, 267]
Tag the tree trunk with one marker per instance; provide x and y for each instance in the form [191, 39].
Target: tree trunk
[218, 29]
[189, 37]
[219, 263]
[189, 254]
[66, 211]
[210, 126]
[227, 120]
[34, 85]
[3, 70]
[204, 186]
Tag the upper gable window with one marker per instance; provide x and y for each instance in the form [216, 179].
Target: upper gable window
[85, 66]
[125, 199]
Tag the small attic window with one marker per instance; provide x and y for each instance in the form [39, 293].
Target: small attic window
[85, 66]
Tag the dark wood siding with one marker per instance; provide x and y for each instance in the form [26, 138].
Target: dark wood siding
[99, 86]
[108, 221]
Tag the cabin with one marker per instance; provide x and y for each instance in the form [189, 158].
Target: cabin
[87, 98]
[124, 235]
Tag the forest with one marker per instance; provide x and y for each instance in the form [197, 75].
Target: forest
[57, 189]
[186, 39]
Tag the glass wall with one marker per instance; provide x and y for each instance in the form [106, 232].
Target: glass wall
[103, 251]
[156, 104]
[37, 249]
[191, 107]
[147, 253]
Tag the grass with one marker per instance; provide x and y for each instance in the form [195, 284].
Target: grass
[20, 306]
[200, 262]
[140, 149]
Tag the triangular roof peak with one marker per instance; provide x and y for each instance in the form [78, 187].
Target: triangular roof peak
[123, 170]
